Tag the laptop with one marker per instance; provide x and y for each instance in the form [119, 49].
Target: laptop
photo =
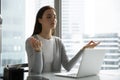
[90, 64]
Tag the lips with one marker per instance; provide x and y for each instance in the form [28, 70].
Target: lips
[52, 23]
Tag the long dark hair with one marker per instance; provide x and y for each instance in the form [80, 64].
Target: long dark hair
[38, 26]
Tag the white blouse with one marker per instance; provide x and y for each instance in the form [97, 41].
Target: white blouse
[47, 51]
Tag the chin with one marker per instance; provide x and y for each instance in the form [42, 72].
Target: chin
[53, 27]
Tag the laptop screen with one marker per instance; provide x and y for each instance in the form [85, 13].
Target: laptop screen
[92, 60]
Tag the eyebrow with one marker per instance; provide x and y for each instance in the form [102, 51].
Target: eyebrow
[52, 14]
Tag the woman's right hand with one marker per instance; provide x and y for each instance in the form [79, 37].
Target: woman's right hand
[35, 43]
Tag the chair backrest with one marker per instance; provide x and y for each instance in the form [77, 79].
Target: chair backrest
[19, 66]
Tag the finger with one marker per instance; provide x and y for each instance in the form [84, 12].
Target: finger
[92, 45]
[31, 40]
[91, 42]
[98, 43]
[40, 43]
[37, 44]
[34, 44]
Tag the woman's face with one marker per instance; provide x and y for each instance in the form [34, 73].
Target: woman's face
[48, 19]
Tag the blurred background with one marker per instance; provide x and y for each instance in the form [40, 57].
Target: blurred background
[79, 21]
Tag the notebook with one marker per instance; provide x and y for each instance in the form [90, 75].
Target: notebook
[90, 64]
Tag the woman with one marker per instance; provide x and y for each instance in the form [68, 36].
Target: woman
[46, 53]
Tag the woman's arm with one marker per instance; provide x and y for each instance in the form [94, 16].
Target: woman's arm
[69, 64]
[35, 59]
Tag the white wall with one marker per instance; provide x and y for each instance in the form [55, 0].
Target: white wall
[102, 16]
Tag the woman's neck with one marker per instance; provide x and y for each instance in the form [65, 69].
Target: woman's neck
[45, 35]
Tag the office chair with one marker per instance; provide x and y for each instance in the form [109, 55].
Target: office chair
[19, 66]
[14, 72]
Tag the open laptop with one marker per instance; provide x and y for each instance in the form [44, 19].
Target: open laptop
[90, 64]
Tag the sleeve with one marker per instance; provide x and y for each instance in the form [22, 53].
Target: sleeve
[68, 64]
[35, 59]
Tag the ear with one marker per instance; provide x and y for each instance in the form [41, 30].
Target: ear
[40, 20]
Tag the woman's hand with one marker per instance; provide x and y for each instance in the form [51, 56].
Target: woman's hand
[36, 44]
[91, 44]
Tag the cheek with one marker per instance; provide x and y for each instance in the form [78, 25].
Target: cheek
[56, 21]
[46, 21]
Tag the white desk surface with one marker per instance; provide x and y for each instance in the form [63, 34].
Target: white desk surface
[101, 76]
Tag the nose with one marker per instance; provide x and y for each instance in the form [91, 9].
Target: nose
[54, 19]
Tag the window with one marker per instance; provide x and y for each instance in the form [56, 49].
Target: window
[72, 26]
[18, 22]
[98, 20]
[13, 31]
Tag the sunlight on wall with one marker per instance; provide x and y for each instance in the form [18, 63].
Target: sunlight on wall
[102, 16]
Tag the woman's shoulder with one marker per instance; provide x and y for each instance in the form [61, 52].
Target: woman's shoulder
[58, 39]
[35, 36]
[29, 38]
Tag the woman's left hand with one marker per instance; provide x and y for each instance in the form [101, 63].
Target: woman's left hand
[91, 44]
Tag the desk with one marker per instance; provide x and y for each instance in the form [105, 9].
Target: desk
[51, 76]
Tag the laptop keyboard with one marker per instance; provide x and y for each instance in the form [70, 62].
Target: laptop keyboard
[73, 74]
